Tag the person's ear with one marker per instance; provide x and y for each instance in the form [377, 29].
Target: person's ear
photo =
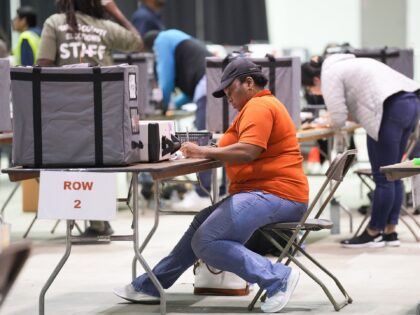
[249, 81]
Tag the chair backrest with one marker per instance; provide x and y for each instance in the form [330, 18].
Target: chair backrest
[336, 172]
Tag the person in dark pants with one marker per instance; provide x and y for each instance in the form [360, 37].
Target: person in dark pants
[180, 63]
[384, 103]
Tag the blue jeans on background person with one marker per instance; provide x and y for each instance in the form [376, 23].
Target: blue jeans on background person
[399, 119]
[228, 224]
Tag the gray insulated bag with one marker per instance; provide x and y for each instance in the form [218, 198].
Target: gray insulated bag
[399, 59]
[75, 116]
[146, 79]
[5, 119]
[283, 81]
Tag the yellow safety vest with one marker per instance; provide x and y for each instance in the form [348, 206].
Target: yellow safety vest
[33, 40]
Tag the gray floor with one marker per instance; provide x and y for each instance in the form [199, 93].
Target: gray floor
[381, 281]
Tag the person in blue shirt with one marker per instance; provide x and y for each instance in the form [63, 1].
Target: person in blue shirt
[180, 63]
[26, 51]
[147, 17]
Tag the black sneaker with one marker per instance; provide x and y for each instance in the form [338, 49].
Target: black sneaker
[364, 240]
[391, 239]
[91, 232]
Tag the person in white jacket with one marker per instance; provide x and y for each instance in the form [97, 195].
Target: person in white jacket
[385, 103]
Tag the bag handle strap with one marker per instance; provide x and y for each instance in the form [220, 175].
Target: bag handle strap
[197, 264]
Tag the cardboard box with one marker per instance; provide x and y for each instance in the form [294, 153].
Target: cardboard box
[30, 192]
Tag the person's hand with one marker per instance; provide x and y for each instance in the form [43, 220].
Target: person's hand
[192, 150]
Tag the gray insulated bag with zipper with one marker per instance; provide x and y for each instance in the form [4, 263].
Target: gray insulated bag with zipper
[283, 81]
[75, 116]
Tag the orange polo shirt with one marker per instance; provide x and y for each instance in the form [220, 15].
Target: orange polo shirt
[265, 122]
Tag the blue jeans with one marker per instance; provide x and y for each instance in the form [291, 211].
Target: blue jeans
[399, 119]
[217, 234]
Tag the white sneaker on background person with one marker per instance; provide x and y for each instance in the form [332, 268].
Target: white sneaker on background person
[279, 300]
[191, 202]
[130, 294]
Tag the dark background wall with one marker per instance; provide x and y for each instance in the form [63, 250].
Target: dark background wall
[5, 21]
[233, 22]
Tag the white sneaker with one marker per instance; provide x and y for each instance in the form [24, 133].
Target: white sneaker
[191, 202]
[279, 300]
[130, 294]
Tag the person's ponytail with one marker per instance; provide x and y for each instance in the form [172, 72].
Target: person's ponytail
[311, 69]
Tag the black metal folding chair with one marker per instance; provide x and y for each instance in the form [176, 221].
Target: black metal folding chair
[334, 176]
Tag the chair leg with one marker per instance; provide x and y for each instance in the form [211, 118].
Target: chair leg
[410, 215]
[78, 228]
[281, 249]
[326, 271]
[362, 224]
[55, 226]
[348, 212]
[30, 226]
[337, 306]
[410, 229]
[9, 198]
[254, 300]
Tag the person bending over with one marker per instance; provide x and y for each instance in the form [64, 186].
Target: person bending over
[384, 102]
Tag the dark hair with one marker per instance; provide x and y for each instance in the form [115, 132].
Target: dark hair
[93, 8]
[311, 69]
[260, 79]
[149, 39]
[28, 13]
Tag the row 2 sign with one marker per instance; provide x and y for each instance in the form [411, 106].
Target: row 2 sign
[77, 196]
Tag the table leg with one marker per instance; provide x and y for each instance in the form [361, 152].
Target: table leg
[9, 197]
[334, 204]
[137, 251]
[215, 185]
[152, 231]
[57, 268]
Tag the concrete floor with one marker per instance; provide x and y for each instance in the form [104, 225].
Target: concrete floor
[381, 281]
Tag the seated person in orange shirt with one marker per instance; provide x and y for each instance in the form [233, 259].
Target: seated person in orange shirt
[267, 185]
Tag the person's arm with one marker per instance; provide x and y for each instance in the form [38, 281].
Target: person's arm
[115, 12]
[181, 99]
[238, 153]
[254, 131]
[333, 91]
[122, 39]
[45, 62]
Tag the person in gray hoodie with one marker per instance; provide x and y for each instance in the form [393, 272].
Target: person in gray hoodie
[384, 102]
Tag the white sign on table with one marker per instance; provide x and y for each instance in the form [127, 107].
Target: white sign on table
[77, 196]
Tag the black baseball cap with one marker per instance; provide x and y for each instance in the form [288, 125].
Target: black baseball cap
[236, 68]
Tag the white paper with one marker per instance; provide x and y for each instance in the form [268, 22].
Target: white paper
[77, 196]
